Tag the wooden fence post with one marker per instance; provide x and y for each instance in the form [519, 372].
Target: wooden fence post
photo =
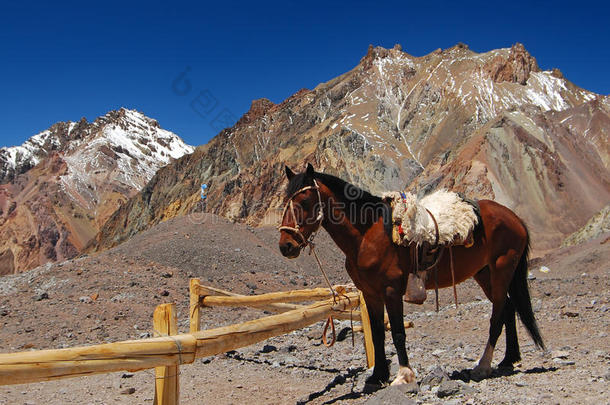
[167, 385]
[194, 305]
[368, 334]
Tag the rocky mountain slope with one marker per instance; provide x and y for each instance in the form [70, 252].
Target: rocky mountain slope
[492, 125]
[598, 225]
[60, 186]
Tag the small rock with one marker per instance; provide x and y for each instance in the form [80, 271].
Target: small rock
[410, 388]
[569, 314]
[289, 348]
[531, 276]
[435, 377]
[288, 359]
[167, 275]
[127, 375]
[85, 299]
[520, 384]
[390, 395]
[438, 352]
[42, 296]
[314, 334]
[268, 349]
[164, 293]
[128, 391]
[448, 388]
[563, 362]
[560, 354]
[343, 334]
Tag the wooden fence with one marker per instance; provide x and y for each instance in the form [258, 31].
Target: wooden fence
[169, 350]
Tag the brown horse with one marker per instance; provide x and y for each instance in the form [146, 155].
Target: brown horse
[360, 224]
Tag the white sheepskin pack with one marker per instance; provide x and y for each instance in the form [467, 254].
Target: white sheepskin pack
[455, 217]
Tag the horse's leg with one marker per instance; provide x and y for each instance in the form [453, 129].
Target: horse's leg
[501, 272]
[512, 354]
[393, 302]
[381, 372]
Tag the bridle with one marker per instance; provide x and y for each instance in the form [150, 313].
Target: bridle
[296, 230]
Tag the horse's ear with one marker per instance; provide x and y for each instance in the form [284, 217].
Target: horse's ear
[289, 173]
[310, 171]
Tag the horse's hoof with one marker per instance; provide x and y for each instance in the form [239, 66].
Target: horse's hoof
[480, 372]
[405, 376]
[508, 363]
[372, 384]
[375, 382]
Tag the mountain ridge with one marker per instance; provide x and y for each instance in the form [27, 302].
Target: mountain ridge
[62, 184]
[479, 123]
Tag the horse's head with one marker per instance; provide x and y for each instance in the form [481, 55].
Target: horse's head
[302, 212]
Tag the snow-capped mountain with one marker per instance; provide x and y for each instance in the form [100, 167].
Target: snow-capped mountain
[129, 133]
[62, 184]
[492, 125]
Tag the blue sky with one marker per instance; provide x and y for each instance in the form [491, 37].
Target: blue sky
[66, 60]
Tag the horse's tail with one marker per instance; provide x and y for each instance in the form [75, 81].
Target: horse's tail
[520, 295]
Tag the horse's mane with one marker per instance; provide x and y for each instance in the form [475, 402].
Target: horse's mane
[354, 198]
[342, 189]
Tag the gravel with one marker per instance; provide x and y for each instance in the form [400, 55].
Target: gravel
[129, 281]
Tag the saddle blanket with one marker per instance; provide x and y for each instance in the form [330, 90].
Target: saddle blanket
[456, 218]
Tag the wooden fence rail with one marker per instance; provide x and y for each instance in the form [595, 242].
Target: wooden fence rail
[167, 350]
[134, 355]
[201, 295]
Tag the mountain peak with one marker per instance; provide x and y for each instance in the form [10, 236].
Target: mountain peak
[67, 136]
[71, 178]
[258, 108]
[378, 52]
[514, 67]
[129, 116]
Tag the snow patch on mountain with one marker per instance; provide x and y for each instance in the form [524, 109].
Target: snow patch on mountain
[130, 148]
[28, 154]
[123, 147]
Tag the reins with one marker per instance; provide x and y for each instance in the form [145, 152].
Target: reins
[296, 230]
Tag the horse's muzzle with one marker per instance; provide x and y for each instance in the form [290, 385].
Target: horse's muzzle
[290, 249]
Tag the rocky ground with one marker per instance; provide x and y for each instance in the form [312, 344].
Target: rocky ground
[111, 296]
